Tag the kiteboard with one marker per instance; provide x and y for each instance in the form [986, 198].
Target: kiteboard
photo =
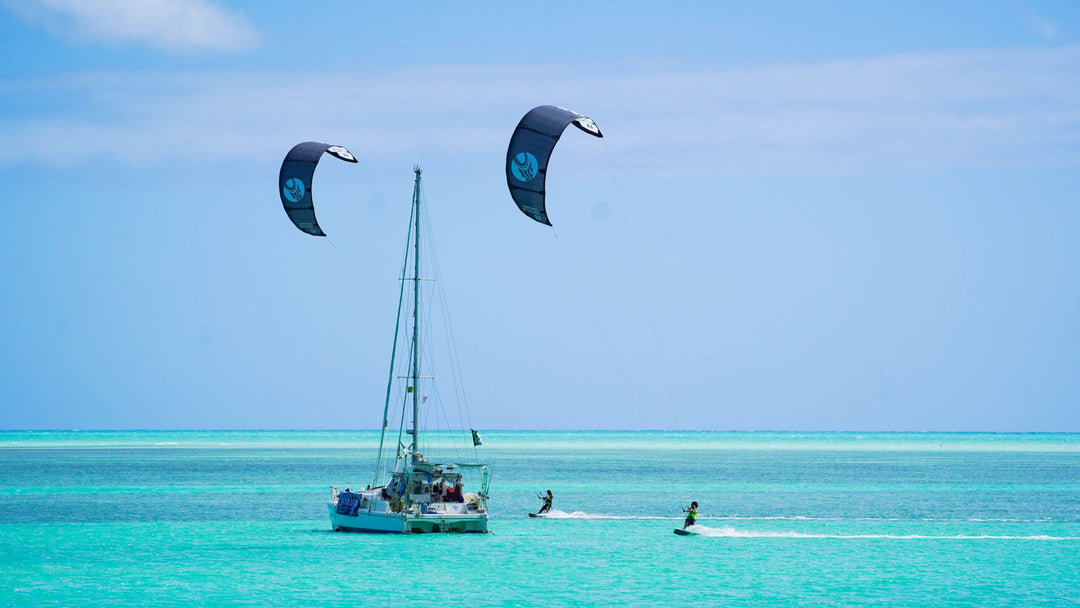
[682, 532]
[537, 515]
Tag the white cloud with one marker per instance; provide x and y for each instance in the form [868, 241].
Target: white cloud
[1047, 29]
[914, 112]
[169, 25]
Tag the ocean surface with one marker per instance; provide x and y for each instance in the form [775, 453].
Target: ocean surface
[229, 518]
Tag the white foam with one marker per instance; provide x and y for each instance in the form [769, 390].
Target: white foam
[557, 514]
[730, 532]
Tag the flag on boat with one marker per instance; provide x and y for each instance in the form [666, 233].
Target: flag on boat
[476, 438]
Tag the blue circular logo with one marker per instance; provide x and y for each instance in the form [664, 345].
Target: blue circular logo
[294, 189]
[524, 167]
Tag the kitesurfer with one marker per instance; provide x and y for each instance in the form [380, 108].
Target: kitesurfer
[691, 515]
[547, 502]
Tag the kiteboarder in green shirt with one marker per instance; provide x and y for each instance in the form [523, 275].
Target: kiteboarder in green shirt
[547, 502]
[691, 515]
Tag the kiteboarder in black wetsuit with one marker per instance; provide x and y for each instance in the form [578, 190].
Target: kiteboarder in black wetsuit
[547, 502]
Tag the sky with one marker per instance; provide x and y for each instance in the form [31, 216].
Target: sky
[847, 216]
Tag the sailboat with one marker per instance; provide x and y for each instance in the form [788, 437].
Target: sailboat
[420, 495]
[417, 495]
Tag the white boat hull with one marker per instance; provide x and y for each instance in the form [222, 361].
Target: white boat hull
[406, 523]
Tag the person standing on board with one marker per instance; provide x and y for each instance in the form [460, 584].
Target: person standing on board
[547, 502]
[691, 515]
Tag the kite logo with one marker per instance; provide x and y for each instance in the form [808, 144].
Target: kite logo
[341, 153]
[524, 166]
[587, 125]
[294, 189]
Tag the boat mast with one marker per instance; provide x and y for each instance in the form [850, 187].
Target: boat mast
[415, 379]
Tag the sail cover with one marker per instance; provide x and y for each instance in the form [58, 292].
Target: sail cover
[294, 182]
[347, 503]
[529, 151]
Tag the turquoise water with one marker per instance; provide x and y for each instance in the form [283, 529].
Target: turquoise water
[787, 519]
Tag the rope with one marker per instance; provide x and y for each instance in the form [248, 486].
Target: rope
[393, 355]
[456, 378]
[644, 292]
[600, 328]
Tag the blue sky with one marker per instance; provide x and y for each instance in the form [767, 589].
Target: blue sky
[837, 216]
